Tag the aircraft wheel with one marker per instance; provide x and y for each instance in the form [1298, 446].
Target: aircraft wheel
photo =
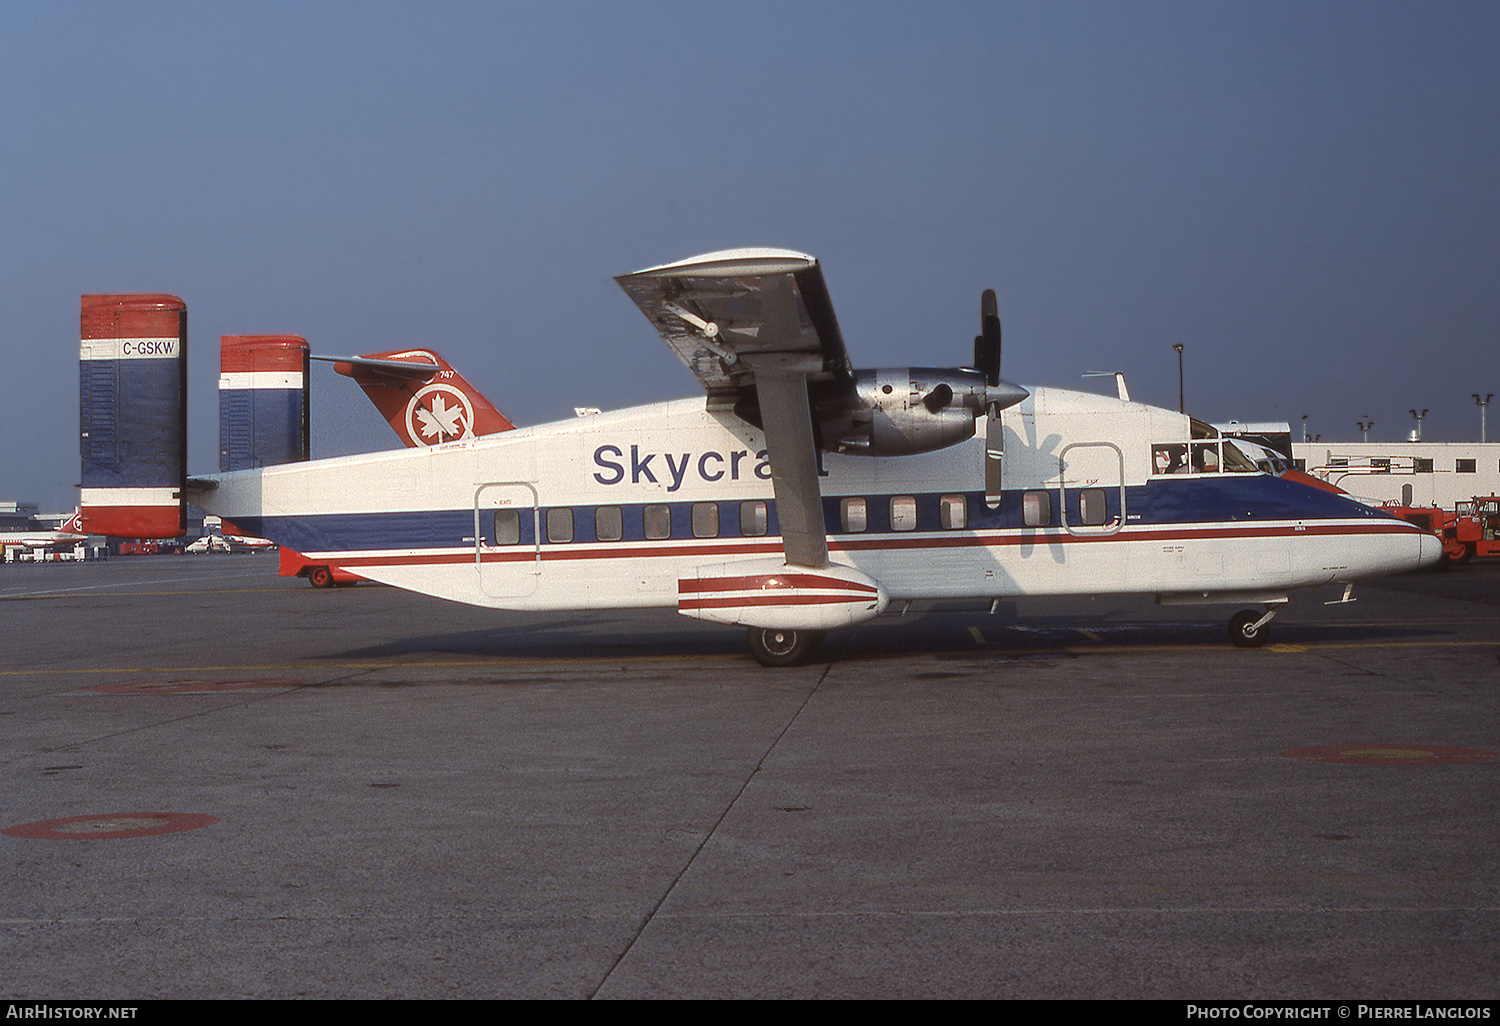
[320, 577]
[774, 647]
[1244, 633]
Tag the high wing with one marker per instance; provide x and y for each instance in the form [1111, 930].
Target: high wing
[758, 319]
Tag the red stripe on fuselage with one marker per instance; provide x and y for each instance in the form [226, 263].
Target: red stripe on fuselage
[772, 545]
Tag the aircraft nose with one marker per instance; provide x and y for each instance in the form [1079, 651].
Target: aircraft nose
[1431, 549]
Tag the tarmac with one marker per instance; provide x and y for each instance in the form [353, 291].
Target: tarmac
[223, 784]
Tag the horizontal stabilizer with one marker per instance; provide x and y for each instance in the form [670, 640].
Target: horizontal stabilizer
[405, 370]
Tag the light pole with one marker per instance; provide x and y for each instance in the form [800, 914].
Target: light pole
[1181, 408]
[1419, 417]
[1482, 404]
[1364, 427]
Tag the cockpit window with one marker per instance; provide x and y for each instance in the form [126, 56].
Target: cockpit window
[1216, 457]
[1246, 457]
[1237, 462]
[1205, 457]
[1169, 458]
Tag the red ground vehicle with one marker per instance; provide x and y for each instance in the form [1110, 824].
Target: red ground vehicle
[1473, 530]
[319, 575]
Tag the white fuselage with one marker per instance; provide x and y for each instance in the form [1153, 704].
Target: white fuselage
[613, 510]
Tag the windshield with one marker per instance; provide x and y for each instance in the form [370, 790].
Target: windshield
[1243, 456]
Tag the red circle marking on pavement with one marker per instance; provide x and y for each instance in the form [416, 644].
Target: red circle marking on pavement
[110, 826]
[1377, 754]
[188, 687]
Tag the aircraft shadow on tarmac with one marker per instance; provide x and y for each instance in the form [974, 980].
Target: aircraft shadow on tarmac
[971, 634]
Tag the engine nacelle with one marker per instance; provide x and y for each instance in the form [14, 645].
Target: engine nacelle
[906, 410]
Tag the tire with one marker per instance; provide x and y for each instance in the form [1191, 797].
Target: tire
[1243, 632]
[774, 647]
[320, 577]
[1457, 553]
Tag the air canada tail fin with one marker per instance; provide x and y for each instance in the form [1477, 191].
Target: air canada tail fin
[74, 524]
[133, 415]
[425, 400]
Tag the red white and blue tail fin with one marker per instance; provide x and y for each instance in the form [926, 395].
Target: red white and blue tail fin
[263, 400]
[133, 415]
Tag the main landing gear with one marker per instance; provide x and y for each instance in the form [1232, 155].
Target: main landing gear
[1248, 628]
[773, 646]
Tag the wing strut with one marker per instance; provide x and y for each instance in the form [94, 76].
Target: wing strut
[787, 421]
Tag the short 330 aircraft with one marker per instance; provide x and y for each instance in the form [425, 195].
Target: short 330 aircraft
[802, 495]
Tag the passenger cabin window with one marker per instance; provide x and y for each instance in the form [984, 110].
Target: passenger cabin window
[1466, 466]
[657, 519]
[560, 524]
[1421, 466]
[903, 513]
[1092, 508]
[854, 516]
[705, 520]
[1036, 509]
[507, 527]
[753, 518]
[953, 513]
[609, 523]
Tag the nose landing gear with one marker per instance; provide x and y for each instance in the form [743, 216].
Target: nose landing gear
[1247, 628]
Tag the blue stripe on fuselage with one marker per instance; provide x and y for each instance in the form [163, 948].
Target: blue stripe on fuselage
[1161, 502]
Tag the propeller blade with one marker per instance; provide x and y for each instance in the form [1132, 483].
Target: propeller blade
[987, 362]
[994, 457]
[987, 345]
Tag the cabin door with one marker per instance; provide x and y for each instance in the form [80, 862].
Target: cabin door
[507, 538]
[1092, 507]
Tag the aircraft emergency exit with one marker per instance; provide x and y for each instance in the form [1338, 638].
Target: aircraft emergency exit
[800, 495]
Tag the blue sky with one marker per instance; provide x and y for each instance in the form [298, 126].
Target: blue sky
[1304, 195]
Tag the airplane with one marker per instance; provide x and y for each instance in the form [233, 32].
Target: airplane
[800, 495]
[27, 533]
[229, 543]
